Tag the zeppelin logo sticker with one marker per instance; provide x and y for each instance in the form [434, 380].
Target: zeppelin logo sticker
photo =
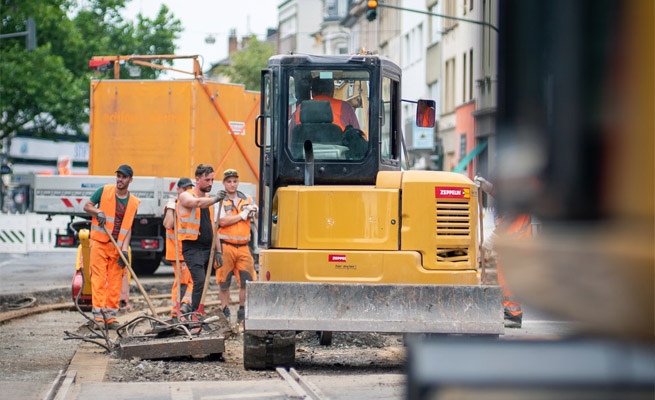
[336, 258]
[441, 192]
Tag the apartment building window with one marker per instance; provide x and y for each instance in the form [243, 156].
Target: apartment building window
[407, 49]
[413, 45]
[449, 86]
[434, 25]
[335, 9]
[288, 27]
[462, 145]
[418, 42]
[433, 91]
[471, 74]
[331, 10]
[469, 6]
[464, 80]
[450, 8]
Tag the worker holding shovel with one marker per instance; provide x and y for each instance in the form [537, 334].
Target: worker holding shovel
[112, 208]
[183, 284]
[196, 213]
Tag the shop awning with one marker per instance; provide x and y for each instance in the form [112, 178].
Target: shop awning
[477, 150]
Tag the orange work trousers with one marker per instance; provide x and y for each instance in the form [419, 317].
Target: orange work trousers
[185, 280]
[237, 262]
[106, 281]
[518, 228]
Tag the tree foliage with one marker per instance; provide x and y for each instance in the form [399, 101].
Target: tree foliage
[247, 64]
[47, 90]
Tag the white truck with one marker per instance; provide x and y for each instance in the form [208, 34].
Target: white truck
[162, 129]
[66, 195]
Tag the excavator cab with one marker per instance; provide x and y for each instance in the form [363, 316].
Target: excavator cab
[348, 242]
[345, 107]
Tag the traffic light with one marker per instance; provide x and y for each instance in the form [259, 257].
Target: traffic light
[372, 11]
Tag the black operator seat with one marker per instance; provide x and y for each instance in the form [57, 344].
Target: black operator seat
[315, 125]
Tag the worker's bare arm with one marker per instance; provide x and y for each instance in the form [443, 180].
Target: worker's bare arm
[91, 208]
[229, 220]
[188, 201]
[168, 218]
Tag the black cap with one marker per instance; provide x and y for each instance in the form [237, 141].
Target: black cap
[184, 182]
[126, 170]
[230, 172]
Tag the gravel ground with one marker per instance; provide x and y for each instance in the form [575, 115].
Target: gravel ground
[349, 353]
[33, 351]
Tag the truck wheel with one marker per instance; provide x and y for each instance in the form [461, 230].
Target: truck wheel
[146, 267]
[269, 349]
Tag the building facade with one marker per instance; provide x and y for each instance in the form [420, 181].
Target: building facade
[450, 61]
[299, 21]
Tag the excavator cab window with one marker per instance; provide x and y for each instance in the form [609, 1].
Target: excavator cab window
[330, 108]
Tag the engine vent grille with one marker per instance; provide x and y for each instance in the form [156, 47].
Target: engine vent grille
[453, 218]
[452, 255]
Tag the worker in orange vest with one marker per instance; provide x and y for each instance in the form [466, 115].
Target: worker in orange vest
[111, 207]
[186, 283]
[196, 230]
[343, 114]
[516, 227]
[234, 232]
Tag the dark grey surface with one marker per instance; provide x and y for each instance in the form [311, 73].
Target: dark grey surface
[44, 271]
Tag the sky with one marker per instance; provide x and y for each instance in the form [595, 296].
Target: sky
[203, 18]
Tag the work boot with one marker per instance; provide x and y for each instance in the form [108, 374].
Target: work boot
[185, 308]
[226, 312]
[513, 321]
[113, 325]
[241, 314]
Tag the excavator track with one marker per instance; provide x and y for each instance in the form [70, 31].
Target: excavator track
[269, 349]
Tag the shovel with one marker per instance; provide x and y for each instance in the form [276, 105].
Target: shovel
[201, 307]
[178, 267]
[129, 268]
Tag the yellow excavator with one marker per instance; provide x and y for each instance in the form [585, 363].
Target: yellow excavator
[348, 241]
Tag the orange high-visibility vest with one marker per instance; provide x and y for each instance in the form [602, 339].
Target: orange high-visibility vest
[238, 233]
[335, 104]
[189, 226]
[170, 239]
[108, 206]
[520, 227]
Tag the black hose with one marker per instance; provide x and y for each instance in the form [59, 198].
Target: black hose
[25, 302]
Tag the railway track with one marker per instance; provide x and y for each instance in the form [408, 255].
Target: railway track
[299, 384]
[31, 306]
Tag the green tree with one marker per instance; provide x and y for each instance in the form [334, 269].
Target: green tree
[247, 64]
[47, 89]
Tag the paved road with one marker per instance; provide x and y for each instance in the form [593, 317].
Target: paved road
[53, 270]
[40, 271]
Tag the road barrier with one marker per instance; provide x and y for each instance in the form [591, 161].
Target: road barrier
[24, 233]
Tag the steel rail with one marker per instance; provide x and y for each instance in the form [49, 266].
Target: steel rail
[299, 384]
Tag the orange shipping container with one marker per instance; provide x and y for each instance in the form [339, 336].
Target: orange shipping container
[167, 128]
